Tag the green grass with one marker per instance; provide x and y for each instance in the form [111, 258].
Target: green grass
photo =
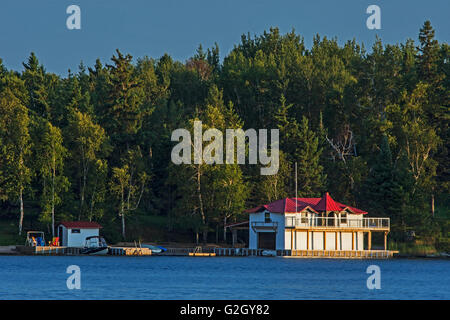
[413, 249]
[9, 233]
[146, 228]
[139, 227]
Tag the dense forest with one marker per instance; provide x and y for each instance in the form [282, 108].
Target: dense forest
[368, 126]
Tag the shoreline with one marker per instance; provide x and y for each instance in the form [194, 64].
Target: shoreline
[11, 250]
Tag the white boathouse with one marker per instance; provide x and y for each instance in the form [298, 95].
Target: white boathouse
[305, 225]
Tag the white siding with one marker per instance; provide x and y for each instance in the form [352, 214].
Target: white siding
[69, 239]
[317, 243]
[299, 242]
[316, 240]
[260, 217]
[331, 241]
[360, 242]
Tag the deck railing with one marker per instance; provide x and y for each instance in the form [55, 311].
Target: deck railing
[331, 222]
[267, 225]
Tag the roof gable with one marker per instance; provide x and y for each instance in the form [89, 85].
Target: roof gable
[81, 225]
[293, 205]
[327, 204]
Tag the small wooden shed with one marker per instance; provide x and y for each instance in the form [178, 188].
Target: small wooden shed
[74, 233]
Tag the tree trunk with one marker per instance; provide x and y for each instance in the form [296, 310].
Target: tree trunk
[225, 229]
[123, 226]
[432, 205]
[53, 198]
[83, 187]
[21, 211]
[91, 214]
[200, 200]
[122, 214]
[81, 201]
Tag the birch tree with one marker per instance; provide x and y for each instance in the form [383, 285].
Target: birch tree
[50, 156]
[15, 149]
[89, 146]
[128, 184]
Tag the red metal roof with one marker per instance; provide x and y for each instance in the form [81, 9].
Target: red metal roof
[291, 205]
[81, 225]
[327, 204]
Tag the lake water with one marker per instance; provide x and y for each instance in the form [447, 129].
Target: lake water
[112, 277]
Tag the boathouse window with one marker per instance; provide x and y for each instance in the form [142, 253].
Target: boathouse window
[304, 218]
[267, 217]
[75, 230]
[343, 217]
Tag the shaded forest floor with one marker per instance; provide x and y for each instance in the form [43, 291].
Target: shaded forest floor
[144, 229]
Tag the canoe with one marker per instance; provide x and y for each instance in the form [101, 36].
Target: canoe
[155, 249]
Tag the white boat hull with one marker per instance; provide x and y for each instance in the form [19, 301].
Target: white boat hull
[269, 253]
[96, 251]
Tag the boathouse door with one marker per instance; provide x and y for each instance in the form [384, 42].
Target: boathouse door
[267, 240]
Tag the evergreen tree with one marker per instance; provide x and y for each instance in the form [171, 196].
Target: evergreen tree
[35, 81]
[402, 193]
[280, 185]
[289, 129]
[432, 61]
[380, 184]
[122, 117]
[429, 54]
[311, 178]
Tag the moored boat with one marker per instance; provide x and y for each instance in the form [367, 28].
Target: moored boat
[155, 249]
[269, 253]
[95, 245]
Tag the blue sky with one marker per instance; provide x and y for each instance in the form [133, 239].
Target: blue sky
[152, 28]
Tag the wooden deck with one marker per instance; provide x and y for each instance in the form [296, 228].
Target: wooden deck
[116, 251]
[338, 229]
[344, 254]
[337, 225]
[201, 254]
[50, 250]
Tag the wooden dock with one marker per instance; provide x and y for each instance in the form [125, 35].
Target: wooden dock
[201, 254]
[215, 252]
[129, 251]
[49, 250]
[344, 254]
[70, 251]
[219, 252]
[244, 252]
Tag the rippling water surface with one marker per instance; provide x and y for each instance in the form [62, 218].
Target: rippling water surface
[44, 277]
